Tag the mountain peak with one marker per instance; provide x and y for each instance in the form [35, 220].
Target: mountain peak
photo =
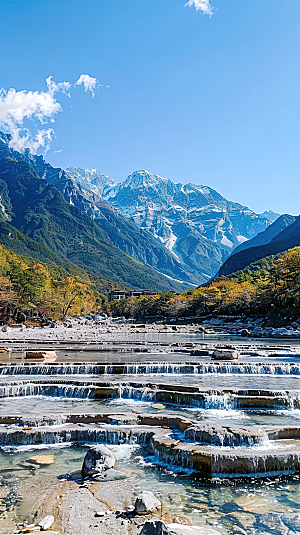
[91, 179]
[270, 215]
[143, 178]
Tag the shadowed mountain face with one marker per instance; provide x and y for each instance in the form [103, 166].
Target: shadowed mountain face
[277, 238]
[39, 211]
[269, 234]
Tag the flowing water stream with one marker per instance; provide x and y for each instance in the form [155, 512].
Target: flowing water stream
[234, 412]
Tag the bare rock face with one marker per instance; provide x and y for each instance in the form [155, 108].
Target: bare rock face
[41, 356]
[146, 502]
[97, 460]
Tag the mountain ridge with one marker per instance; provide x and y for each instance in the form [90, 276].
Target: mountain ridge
[123, 233]
[286, 238]
[194, 222]
[39, 211]
[183, 231]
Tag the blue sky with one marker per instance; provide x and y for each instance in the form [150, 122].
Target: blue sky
[211, 100]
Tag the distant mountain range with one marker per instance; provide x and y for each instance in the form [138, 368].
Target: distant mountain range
[36, 220]
[195, 224]
[280, 236]
[146, 232]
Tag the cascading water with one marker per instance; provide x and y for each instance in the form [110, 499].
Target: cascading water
[227, 436]
[107, 435]
[286, 369]
[139, 394]
[217, 401]
[51, 369]
[54, 390]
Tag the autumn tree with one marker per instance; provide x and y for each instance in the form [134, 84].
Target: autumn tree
[71, 297]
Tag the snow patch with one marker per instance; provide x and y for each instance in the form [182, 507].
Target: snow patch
[176, 280]
[226, 241]
[2, 207]
[205, 190]
[241, 239]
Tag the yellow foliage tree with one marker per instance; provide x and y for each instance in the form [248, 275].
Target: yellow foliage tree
[70, 297]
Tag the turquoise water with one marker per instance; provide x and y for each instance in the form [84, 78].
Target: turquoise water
[228, 506]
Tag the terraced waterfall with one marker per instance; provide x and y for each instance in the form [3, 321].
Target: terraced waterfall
[220, 440]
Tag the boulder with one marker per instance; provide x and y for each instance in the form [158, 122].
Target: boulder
[97, 460]
[155, 527]
[146, 502]
[245, 332]
[41, 460]
[225, 354]
[46, 523]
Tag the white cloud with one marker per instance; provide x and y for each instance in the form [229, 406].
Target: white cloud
[56, 151]
[16, 107]
[88, 82]
[55, 88]
[201, 5]
[42, 138]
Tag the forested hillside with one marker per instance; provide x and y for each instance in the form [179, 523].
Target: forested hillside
[269, 288]
[29, 288]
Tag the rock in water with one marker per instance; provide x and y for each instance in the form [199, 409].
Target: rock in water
[253, 504]
[245, 332]
[110, 475]
[41, 460]
[49, 356]
[179, 529]
[146, 502]
[46, 523]
[155, 527]
[225, 354]
[97, 460]
[281, 522]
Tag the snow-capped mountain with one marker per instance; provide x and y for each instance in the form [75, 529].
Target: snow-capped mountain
[91, 179]
[269, 214]
[183, 231]
[194, 222]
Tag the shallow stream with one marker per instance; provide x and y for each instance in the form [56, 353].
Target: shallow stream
[231, 505]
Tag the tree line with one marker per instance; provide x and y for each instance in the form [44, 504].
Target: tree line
[269, 288]
[29, 289]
